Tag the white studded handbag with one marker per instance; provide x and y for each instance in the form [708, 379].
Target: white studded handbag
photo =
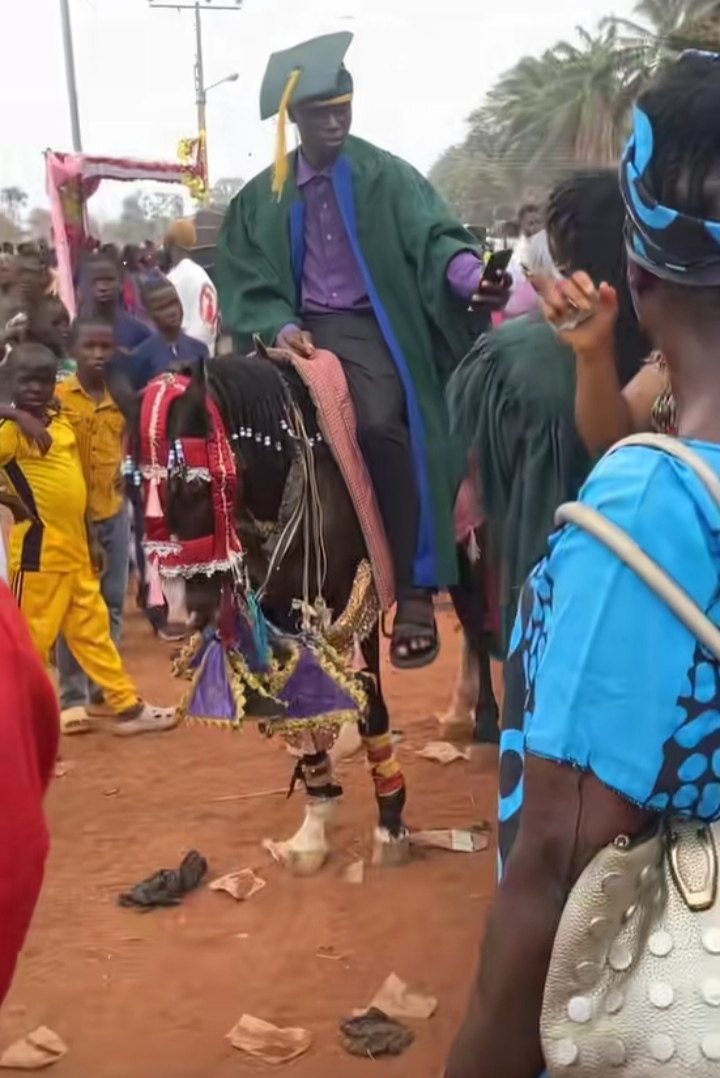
[633, 986]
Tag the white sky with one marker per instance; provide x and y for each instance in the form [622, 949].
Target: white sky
[420, 66]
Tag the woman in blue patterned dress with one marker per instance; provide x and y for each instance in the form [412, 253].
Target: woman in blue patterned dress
[612, 708]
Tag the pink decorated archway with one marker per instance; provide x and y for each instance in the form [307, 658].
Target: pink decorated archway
[73, 178]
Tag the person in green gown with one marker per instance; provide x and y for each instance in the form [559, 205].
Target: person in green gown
[343, 246]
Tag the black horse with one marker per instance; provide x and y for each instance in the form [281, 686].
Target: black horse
[255, 395]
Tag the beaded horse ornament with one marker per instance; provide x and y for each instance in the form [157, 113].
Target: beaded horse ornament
[243, 669]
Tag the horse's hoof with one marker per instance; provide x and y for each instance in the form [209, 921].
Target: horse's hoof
[390, 851]
[306, 862]
[301, 862]
[308, 850]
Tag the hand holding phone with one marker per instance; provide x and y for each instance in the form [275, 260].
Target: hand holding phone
[496, 267]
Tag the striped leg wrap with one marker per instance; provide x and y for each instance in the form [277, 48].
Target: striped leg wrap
[385, 770]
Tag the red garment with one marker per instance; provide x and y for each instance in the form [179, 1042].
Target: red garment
[29, 735]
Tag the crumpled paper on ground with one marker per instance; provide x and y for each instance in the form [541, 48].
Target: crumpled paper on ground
[35, 1051]
[397, 1000]
[240, 885]
[262, 1040]
[442, 752]
[452, 839]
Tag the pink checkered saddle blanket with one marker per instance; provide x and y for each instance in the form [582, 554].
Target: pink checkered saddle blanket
[324, 377]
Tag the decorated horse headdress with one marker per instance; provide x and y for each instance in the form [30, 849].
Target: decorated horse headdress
[209, 459]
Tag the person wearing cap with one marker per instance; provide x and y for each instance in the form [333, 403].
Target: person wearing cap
[343, 246]
[197, 293]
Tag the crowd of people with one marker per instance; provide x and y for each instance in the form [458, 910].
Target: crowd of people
[63, 449]
[611, 726]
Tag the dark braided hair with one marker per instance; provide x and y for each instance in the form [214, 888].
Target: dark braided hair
[683, 106]
[585, 218]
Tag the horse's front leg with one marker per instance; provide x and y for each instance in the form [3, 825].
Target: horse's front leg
[392, 841]
[308, 849]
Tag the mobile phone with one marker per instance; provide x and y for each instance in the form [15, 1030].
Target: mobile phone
[496, 266]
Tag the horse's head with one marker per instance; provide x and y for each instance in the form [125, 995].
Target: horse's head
[189, 510]
[192, 483]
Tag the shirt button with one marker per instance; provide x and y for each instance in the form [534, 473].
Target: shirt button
[328, 237]
[334, 295]
[325, 205]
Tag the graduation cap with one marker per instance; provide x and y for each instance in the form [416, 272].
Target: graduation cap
[312, 72]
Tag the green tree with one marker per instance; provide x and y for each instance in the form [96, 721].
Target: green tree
[662, 30]
[568, 108]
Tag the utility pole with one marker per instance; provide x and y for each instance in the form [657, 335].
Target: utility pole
[201, 94]
[201, 89]
[70, 75]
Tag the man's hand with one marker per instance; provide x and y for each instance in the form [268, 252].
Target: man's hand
[491, 296]
[34, 430]
[583, 316]
[296, 340]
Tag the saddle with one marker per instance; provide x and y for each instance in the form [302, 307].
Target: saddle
[325, 381]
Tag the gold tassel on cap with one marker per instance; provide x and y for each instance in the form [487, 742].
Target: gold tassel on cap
[282, 168]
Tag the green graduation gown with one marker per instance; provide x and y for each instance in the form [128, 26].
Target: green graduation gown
[403, 237]
[512, 404]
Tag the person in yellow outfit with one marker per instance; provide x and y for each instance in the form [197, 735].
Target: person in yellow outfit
[99, 429]
[51, 569]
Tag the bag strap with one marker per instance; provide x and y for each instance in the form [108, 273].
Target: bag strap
[625, 548]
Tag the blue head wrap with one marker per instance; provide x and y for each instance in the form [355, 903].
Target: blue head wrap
[667, 243]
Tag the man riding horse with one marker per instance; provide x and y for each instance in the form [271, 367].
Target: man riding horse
[343, 247]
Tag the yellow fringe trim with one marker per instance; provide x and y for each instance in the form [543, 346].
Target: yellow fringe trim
[282, 166]
[360, 615]
[270, 686]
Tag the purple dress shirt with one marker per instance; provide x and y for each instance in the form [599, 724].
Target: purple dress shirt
[332, 279]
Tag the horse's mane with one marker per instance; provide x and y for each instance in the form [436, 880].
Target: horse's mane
[256, 394]
[253, 394]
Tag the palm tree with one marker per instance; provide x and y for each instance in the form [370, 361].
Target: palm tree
[565, 108]
[662, 30]
[571, 106]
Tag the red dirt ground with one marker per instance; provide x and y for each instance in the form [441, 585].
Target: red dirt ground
[138, 996]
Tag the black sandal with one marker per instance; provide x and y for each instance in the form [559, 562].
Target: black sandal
[414, 625]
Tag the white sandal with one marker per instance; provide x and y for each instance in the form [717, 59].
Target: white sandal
[151, 720]
[74, 721]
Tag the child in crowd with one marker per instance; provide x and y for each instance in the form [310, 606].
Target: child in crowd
[99, 429]
[50, 325]
[168, 347]
[105, 302]
[52, 573]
